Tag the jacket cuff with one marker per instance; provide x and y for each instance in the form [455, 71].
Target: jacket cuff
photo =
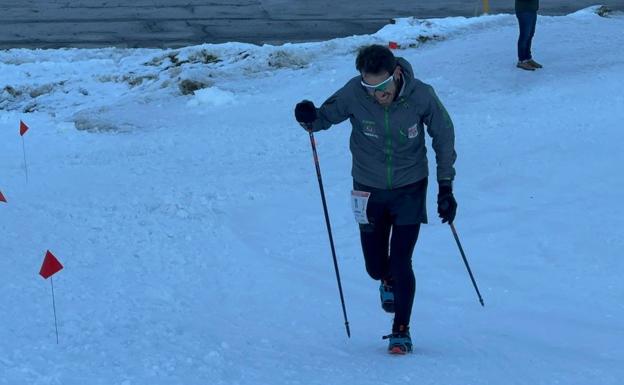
[445, 182]
[445, 187]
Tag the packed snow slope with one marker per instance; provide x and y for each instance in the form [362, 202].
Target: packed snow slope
[192, 233]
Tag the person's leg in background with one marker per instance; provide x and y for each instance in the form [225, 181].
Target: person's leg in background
[526, 25]
[531, 25]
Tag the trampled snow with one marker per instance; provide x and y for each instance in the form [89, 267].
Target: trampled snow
[181, 197]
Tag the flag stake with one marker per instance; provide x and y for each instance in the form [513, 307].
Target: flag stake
[49, 267]
[54, 308]
[25, 164]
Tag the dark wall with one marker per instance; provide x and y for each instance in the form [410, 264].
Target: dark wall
[170, 23]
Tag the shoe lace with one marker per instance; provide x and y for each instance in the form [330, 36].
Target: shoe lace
[395, 335]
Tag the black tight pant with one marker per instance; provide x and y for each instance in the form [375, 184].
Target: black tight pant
[397, 267]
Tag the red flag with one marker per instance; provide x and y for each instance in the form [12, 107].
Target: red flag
[2, 198]
[50, 265]
[393, 45]
[23, 128]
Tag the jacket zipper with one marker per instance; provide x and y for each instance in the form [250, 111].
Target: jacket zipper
[388, 149]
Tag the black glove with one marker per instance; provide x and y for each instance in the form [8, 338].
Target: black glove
[305, 112]
[447, 205]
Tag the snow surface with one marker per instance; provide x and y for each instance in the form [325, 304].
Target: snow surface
[193, 238]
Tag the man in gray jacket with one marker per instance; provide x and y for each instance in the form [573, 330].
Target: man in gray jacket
[389, 111]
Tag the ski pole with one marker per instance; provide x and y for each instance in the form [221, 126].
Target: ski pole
[331, 239]
[461, 250]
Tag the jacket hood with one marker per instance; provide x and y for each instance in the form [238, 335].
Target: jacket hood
[408, 77]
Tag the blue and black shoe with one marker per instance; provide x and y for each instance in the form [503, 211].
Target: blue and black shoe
[387, 296]
[400, 340]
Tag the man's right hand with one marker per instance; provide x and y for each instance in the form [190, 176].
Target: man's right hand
[305, 113]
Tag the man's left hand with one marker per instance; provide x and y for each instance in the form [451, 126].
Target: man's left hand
[447, 205]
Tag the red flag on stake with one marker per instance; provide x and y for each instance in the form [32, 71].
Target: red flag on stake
[2, 198]
[23, 128]
[50, 265]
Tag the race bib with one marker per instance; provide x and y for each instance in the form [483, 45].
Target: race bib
[359, 201]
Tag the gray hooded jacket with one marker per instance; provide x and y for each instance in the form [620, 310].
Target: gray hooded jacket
[388, 143]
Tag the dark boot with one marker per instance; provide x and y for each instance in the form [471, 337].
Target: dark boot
[400, 340]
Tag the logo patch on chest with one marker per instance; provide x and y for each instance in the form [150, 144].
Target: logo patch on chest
[412, 132]
[368, 129]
